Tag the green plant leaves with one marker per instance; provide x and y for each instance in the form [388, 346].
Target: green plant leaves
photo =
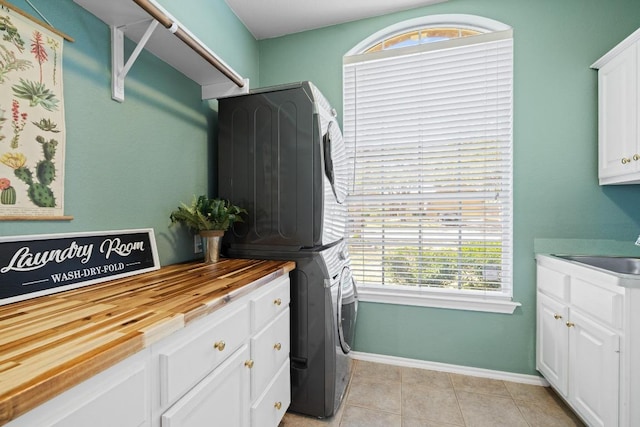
[207, 214]
[36, 93]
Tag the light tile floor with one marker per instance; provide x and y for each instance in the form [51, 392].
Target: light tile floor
[392, 396]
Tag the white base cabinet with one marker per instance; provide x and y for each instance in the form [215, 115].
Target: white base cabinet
[218, 370]
[230, 368]
[587, 342]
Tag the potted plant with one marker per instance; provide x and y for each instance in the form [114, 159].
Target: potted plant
[210, 218]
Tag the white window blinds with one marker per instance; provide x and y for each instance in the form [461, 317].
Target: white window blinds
[430, 135]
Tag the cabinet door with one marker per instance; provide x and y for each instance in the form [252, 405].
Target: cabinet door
[221, 398]
[594, 363]
[618, 115]
[552, 338]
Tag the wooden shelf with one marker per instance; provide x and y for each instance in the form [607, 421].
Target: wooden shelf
[127, 19]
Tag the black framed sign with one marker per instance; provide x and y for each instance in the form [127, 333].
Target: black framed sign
[37, 265]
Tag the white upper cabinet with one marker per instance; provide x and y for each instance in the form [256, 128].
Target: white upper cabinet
[619, 113]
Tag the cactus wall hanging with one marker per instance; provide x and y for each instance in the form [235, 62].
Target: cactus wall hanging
[32, 127]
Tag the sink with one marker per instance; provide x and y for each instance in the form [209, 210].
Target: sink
[620, 265]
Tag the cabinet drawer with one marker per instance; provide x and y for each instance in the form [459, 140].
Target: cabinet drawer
[553, 283]
[192, 357]
[599, 302]
[269, 302]
[269, 350]
[270, 408]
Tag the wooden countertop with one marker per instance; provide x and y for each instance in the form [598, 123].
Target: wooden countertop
[52, 343]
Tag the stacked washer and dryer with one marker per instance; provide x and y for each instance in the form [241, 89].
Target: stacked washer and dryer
[282, 157]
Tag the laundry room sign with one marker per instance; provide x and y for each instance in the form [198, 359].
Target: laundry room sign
[32, 266]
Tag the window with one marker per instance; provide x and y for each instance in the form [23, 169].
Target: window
[428, 125]
[422, 36]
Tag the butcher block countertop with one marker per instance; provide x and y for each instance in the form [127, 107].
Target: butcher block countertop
[52, 343]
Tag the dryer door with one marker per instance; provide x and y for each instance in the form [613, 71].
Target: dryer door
[347, 309]
[336, 167]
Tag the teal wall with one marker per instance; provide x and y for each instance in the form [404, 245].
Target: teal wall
[128, 165]
[217, 27]
[556, 192]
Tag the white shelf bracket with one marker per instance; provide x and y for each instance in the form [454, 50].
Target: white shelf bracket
[119, 68]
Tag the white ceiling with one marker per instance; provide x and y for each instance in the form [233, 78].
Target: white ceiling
[273, 18]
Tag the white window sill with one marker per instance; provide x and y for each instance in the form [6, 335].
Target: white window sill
[486, 303]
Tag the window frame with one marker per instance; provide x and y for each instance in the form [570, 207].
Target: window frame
[495, 302]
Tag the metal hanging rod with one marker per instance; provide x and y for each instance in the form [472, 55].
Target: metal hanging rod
[174, 28]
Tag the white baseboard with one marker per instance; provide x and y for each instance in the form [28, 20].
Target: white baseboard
[453, 369]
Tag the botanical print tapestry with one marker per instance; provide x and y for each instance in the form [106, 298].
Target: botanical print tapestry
[32, 130]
